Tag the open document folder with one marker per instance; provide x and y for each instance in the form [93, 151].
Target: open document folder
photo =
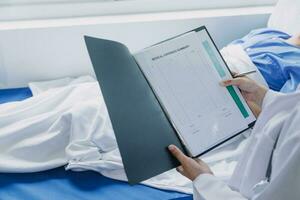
[167, 94]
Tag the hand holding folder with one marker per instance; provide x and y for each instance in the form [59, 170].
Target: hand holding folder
[165, 94]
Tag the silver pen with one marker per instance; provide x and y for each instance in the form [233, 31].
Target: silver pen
[244, 74]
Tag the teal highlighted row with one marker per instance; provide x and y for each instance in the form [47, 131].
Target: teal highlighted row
[214, 59]
[222, 73]
[237, 101]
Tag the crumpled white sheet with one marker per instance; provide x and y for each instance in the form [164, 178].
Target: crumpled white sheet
[66, 123]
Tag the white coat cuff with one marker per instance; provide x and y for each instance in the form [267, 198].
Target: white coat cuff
[209, 187]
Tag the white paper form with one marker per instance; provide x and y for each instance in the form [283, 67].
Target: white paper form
[186, 77]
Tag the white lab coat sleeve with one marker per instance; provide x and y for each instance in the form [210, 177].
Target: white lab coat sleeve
[209, 187]
[270, 97]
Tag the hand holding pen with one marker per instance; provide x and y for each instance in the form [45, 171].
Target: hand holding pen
[235, 75]
[253, 92]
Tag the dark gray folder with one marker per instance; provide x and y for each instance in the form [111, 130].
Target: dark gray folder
[141, 127]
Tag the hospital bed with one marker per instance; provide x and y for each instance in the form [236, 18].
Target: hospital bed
[61, 184]
[70, 59]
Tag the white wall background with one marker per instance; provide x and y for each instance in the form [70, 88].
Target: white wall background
[50, 9]
[47, 53]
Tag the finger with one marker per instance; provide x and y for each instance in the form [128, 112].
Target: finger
[235, 82]
[180, 169]
[177, 153]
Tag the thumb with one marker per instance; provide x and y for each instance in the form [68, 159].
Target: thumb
[177, 153]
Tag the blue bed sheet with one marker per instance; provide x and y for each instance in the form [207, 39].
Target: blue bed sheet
[59, 184]
[18, 94]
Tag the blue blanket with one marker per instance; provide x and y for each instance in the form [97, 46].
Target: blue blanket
[59, 184]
